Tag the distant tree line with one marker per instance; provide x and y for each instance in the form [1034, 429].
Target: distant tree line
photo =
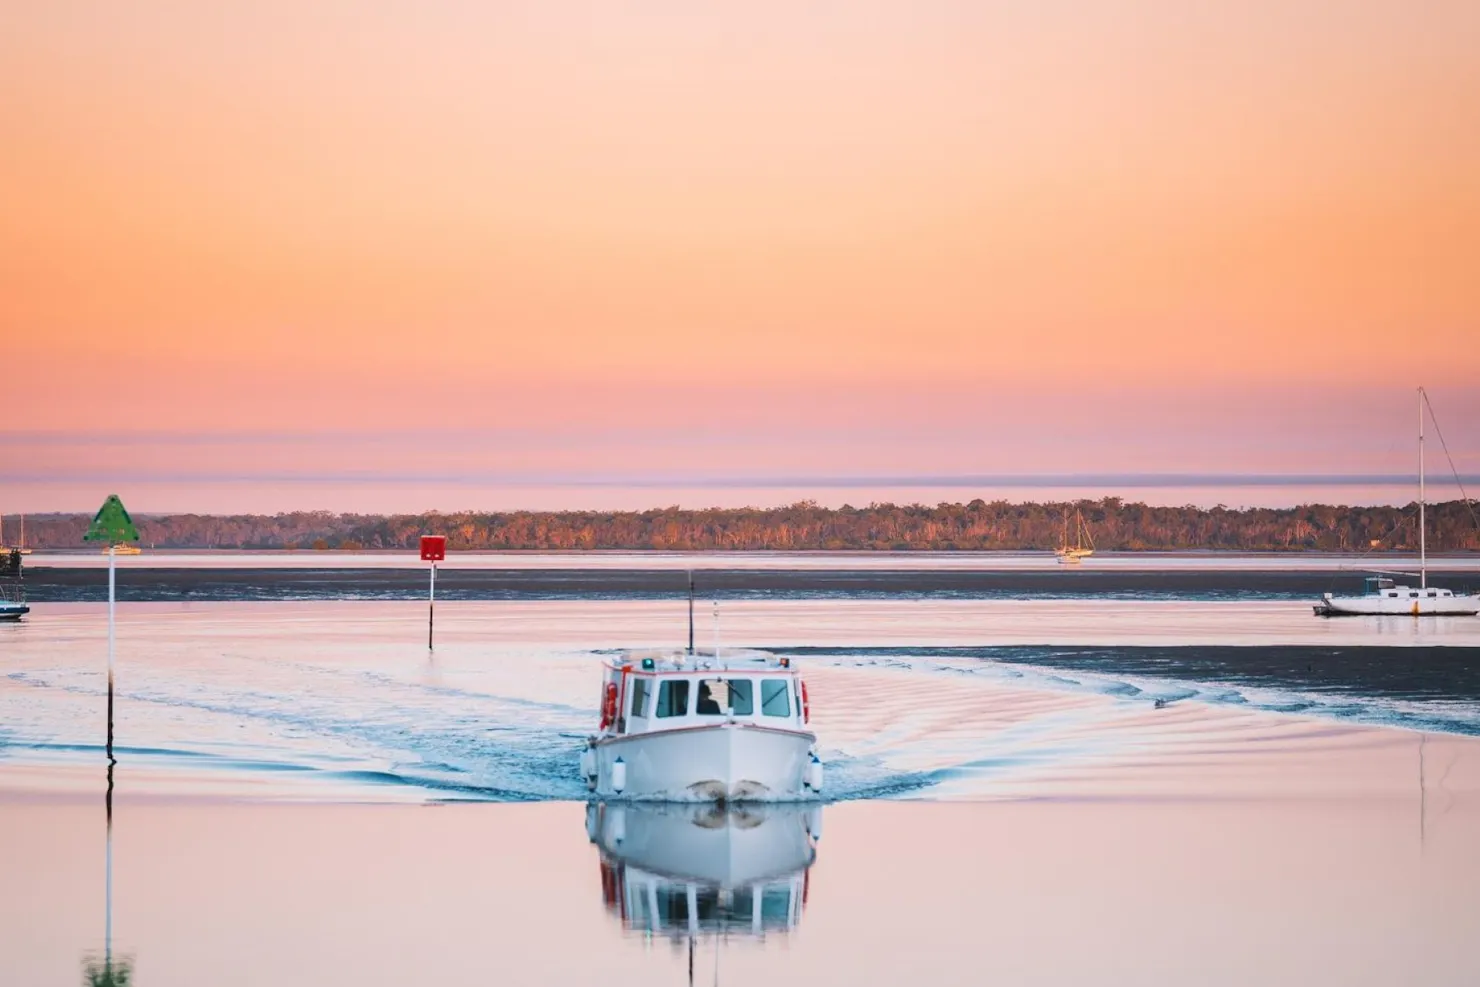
[1114, 525]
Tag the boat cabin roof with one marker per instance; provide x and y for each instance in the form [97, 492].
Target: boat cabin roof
[748, 661]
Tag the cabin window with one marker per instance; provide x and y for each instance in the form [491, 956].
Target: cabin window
[714, 696]
[742, 906]
[774, 699]
[708, 908]
[640, 691]
[1433, 592]
[718, 697]
[1413, 595]
[1392, 594]
[673, 698]
[742, 697]
[673, 900]
[776, 906]
[637, 908]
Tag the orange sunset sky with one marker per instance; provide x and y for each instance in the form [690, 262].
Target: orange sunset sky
[393, 255]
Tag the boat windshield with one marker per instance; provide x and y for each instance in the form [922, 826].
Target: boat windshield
[640, 691]
[673, 698]
[720, 696]
[774, 700]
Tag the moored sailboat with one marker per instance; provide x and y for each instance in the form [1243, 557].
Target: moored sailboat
[1384, 596]
[1073, 554]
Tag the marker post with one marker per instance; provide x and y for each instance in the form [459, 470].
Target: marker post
[433, 550]
[113, 527]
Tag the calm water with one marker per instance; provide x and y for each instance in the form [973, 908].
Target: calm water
[1214, 892]
[304, 795]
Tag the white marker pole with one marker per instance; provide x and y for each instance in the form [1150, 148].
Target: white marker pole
[111, 593]
[431, 604]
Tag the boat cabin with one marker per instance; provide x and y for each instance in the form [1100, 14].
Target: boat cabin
[648, 692]
[661, 905]
[1385, 587]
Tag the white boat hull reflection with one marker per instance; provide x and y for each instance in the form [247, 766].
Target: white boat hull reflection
[723, 762]
[693, 870]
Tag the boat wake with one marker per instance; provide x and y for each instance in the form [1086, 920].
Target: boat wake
[895, 722]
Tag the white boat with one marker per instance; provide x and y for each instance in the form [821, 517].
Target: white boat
[12, 591]
[1384, 596]
[686, 871]
[723, 727]
[1074, 554]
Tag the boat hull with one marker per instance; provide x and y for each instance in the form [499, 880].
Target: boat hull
[1380, 606]
[13, 611]
[725, 762]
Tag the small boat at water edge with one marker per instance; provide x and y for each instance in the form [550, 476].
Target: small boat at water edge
[1382, 596]
[12, 590]
[1074, 554]
[724, 727]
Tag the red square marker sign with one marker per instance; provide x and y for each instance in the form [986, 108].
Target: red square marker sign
[433, 548]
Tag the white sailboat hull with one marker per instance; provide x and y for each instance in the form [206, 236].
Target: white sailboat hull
[13, 611]
[1378, 605]
[730, 761]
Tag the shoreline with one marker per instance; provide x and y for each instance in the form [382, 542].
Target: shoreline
[54, 584]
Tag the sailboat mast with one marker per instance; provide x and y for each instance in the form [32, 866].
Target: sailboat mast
[1423, 560]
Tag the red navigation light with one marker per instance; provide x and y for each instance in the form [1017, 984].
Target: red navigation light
[433, 548]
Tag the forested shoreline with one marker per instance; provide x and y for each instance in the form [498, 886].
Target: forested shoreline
[1114, 524]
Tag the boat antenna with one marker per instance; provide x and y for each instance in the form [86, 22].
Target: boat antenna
[691, 612]
[1423, 562]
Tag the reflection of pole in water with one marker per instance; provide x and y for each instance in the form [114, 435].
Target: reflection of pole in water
[1422, 790]
[107, 974]
[108, 864]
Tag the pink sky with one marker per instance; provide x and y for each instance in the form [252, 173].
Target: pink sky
[258, 256]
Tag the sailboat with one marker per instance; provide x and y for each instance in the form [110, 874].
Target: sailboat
[21, 548]
[1072, 554]
[1382, 595]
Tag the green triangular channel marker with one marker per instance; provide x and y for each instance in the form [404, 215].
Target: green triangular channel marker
[112, 523]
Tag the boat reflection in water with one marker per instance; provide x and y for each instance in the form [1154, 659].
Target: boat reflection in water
[688, 871]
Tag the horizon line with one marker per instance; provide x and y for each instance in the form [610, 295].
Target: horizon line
[944, 480]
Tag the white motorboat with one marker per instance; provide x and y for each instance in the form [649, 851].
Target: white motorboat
[1383, 596]
[686, 871]
[722, 727]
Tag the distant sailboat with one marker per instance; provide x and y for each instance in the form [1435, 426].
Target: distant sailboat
[1084, 544]
[1382, 595]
